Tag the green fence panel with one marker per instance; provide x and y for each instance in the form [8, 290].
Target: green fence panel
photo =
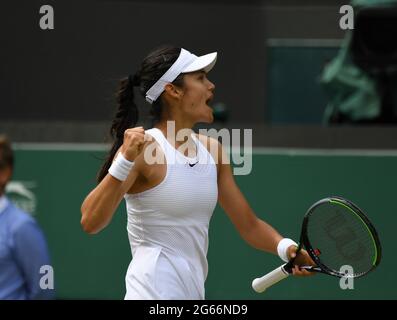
[280, 188]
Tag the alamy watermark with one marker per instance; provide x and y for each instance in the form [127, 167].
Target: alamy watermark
[347, 20]
[347, 281]
[47, 280]
[239, 151]
[47, 19]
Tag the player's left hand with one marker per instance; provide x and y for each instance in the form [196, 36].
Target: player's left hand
[302, 259]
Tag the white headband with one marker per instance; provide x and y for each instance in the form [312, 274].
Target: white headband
[186, 62]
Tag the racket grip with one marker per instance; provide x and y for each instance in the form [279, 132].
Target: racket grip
[262, 283]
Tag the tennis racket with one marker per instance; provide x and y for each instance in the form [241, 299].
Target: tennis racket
[335, 232]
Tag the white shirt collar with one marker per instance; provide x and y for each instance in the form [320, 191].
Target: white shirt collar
[3, 203]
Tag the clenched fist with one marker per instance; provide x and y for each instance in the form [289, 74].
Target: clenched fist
[133, 142]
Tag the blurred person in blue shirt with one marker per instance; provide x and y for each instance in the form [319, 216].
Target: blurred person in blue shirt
[23, 248]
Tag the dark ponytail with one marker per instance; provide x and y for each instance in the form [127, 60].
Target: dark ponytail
[126, 117]
[152, 68]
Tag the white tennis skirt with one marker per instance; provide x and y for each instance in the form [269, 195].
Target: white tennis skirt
[155, 274]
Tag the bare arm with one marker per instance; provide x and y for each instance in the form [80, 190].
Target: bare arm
[101, 203]
[253, 230]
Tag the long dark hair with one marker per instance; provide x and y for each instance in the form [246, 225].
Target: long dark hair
[151, 70]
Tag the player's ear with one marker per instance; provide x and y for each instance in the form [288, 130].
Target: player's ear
[173, 91]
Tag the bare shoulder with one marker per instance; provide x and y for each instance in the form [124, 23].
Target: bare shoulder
[209, 142]
[215, 148]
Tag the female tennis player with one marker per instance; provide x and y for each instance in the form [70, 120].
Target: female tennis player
[170, 200]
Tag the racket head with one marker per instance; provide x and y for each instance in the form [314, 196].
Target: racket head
[336, 232]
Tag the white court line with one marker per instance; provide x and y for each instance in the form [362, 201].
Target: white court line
[258, 150]
[325, 152]
[61, 146]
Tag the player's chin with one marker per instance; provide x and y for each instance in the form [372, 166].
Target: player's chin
[207, 116]
[210, 119]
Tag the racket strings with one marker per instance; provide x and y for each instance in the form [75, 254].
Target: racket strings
[341, 238]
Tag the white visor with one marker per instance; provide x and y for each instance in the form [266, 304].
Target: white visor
[186, 62]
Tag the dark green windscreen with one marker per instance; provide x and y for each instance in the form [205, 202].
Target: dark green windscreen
[293, 91]
[280, 189]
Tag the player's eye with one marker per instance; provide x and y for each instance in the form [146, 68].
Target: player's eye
[201, 77]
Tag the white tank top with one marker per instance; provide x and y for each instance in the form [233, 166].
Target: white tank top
[168, 227]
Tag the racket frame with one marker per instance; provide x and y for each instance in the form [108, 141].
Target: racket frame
[305, 242]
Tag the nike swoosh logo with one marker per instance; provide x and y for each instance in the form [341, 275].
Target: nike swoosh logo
[192, 164]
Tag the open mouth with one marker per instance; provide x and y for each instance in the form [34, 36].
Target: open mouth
[209, 100]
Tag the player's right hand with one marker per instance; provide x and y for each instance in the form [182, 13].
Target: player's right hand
[133, 142]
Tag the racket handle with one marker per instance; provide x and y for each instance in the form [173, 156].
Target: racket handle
[262, 283]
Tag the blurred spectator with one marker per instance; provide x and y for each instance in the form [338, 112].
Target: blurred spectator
[361, 81]
[23, 249]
